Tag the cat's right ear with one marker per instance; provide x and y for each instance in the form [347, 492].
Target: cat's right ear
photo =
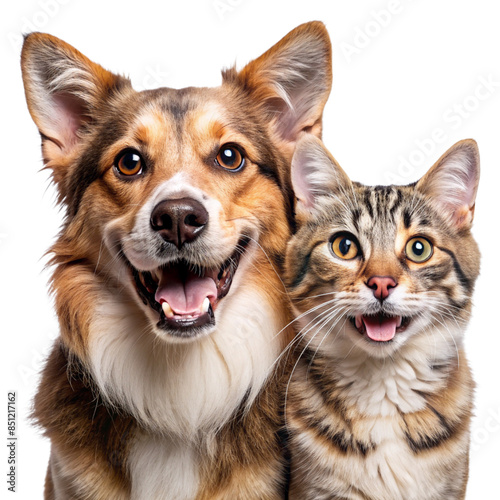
[315, 173]
[452, 182]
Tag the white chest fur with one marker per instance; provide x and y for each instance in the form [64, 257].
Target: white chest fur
[380, 390]
[185, 391]
[163, 469]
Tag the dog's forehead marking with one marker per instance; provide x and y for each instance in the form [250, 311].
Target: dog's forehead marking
[178, 108]
[184, 117]
[210, 117]
[151, 126]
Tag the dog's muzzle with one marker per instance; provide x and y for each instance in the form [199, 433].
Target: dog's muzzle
[184, 291]
[179, 221]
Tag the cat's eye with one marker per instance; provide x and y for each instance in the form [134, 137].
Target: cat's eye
[345, 246]
[419, 249]
[129, 163]
[230, 157]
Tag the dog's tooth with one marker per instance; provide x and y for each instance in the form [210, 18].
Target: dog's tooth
[206, 305]
[359, 322]
[169, 313]
[157, 274]
[141, 279]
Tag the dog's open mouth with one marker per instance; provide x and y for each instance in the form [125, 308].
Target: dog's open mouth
[184, 295]
[380, 327]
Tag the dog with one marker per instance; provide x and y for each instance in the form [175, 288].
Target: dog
[178, 207]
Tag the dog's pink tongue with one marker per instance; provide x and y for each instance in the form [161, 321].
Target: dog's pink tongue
[185, 294]
[380, 328]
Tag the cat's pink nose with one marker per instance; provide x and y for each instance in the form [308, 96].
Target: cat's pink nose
[381, 286]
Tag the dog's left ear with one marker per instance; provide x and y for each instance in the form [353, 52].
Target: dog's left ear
[291, 82]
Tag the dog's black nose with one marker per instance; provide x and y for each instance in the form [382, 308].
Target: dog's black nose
[179, 221]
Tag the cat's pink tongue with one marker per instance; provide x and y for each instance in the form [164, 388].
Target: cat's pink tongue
[381, 328]
[185, 293]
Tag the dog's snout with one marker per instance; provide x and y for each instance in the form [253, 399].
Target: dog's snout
[179, 221]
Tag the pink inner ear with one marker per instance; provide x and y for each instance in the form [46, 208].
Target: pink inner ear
[456, 183]
[301, 185]
[470, 191]
[452, 182]
[68, 115]
[297, 112]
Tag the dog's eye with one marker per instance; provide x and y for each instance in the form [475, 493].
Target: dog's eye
[129, 163]
[230, 157]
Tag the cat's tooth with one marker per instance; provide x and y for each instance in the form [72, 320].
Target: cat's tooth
[400, 320]
[206, 305]
[169, 313]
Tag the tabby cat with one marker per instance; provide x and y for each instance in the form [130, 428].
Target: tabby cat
[381, 278]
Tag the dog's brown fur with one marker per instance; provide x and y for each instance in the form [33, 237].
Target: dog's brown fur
[86, 116]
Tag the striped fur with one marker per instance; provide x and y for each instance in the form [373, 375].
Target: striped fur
[370, 418]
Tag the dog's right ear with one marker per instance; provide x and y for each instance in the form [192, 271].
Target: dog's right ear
[291, 82]
[64, 91]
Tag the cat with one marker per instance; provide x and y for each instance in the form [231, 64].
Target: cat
[380, 279]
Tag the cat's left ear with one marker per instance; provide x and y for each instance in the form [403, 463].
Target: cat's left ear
[315, 173]
[452, 182]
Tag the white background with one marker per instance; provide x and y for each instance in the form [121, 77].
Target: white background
[415, 78]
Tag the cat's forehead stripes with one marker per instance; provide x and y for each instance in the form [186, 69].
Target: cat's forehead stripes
[382, 203]
[378, 211]
[383, 219]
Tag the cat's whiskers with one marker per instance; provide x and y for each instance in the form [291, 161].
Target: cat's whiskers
[327, 333]
[434, 318]
[291, 376]
[445, 306]
[324, 316]
[300, 335]
[241, 250]
[302, 297]
[444, 314]
[427, 330]
[305, 313]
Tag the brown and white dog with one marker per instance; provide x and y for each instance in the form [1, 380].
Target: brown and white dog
[172, 314]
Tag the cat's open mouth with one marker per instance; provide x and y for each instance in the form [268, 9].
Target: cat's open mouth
[380, 327]
[186, 296]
